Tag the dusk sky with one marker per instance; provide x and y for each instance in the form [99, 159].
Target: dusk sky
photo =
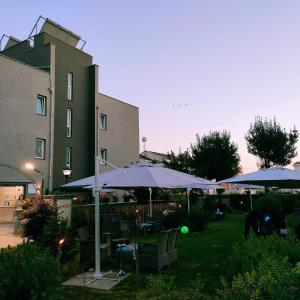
[190, 66]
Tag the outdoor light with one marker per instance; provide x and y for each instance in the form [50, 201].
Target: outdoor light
[67, 173]
[60, 243]
[30, 166]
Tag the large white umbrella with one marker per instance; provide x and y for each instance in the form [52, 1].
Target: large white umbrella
[141, 175]
[275, 176]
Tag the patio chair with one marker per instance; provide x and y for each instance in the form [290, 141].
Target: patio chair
[118, 229]
[154, 255]
[87, 247]
[156, 221]
[172, 245]
[296, 215]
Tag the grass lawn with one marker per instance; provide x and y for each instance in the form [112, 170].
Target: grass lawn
[204, 252]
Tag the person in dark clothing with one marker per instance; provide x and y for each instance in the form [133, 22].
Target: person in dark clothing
[279, 222]
[252, 221]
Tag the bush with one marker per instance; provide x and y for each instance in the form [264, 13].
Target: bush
[272, 278]
[247, 254]
[174, 219]
[284, 203]
[263, 268]
[164, 288]
[197, 220]
[28, 272]
[36, 217]
[45, 226]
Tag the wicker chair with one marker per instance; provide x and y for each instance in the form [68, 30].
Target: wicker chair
[172, 245]
[87, 247]
[296, 216]
[154, 255]
[118, 229]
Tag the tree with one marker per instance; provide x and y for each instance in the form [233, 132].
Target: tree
[272, 144]
[180, 162]
[214, 156]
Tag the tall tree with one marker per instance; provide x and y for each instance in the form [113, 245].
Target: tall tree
[180, 162]
[271, 143]
[214, 156]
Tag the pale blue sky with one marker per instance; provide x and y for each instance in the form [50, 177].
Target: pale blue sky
[191, 66]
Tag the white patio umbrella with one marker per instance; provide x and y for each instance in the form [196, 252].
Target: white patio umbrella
[140, 175]
[201, 184]
[275, 176]
[248, 186]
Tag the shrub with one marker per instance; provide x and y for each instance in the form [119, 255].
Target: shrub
[197, 220]
[45, 226]
[36, 217]
[28, 272]
[277, 203]
[174, 219]
[164, 288]
[247, 254]
[272, 278]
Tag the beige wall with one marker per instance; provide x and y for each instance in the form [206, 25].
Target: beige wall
[19, 123]
[121, 139]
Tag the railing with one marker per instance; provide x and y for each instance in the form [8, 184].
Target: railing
[129, 209]
[3, 41]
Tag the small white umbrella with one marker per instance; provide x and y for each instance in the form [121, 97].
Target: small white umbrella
[201, 184]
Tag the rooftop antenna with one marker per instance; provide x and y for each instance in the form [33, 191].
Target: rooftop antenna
[144, 140]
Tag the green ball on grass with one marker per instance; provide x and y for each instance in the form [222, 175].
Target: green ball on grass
[184, 230]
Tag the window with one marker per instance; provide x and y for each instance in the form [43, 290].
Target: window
[41, 104]
[70, 86]
[40, 148]
[103, 155]
[69, 122]
[68, 157]
[103, 122]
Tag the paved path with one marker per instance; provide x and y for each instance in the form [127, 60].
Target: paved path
[7, 236]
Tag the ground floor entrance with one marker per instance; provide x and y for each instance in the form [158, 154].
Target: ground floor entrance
[9, 195]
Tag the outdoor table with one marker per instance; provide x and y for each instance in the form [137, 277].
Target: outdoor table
[129, 249]
[144, 226]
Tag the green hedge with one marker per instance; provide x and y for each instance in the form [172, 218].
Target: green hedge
[263, 268]
[28, 272]
[285, 203]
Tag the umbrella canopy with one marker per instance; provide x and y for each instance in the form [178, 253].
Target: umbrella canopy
[141, 175]
[275, 176]
[248, 186]
[206, 185]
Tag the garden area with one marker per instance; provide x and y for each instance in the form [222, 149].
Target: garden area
[215, 261]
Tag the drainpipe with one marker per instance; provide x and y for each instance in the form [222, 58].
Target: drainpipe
[52, 107]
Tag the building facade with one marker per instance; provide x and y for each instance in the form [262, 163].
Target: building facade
[78, 121]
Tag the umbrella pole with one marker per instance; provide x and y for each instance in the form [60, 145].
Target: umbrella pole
[251, 202]
[188, 199]
[150, 202]
[98, 273]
